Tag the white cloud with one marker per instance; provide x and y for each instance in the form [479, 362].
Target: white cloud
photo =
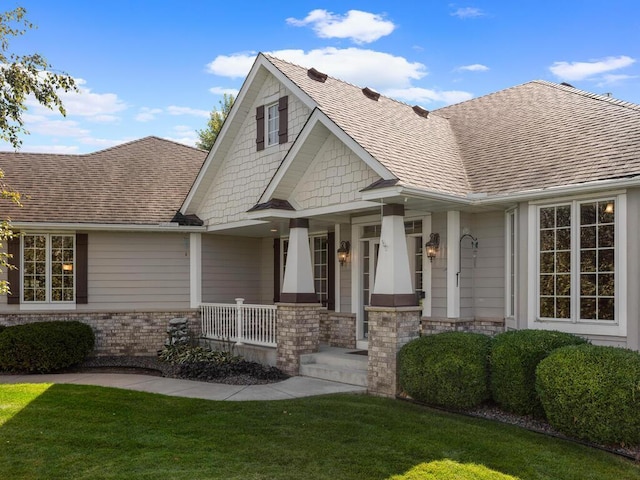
[360, 27]
[222, 91]
[476, 67]
[60, 149]
[468, 12]
[147, 114]
[174, 110]
[356, 65]
[45, 126]
[425, 95]
[613, 79]
[236, 65]
[583, 70]
[183, 134]
[102, 143]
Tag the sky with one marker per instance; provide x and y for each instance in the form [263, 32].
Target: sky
[158, 67]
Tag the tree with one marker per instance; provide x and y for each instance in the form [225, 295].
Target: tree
[214, 125]
[22, 76]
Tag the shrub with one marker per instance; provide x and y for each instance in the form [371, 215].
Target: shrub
[180, 354]
[44, 346]
[440, 469]
[210, 371]
[2, 327]
[514, 358]
[448, 369]
[592, 393]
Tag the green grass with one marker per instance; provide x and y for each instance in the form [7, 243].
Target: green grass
[84, 432]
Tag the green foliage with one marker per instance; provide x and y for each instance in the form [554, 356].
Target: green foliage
[514, 358]
[44, 347]
[214, 125]
[180, 354]
[592, 393]
[449, 369]
[441, 469]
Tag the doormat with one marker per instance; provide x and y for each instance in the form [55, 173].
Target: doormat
[359, 352]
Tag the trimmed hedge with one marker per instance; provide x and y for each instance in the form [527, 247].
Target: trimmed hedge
[592, 393]
[514, 358]
[448, 369]
[441, 469]
[44, 347]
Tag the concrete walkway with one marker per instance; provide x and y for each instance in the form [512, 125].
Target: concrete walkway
[294, 387]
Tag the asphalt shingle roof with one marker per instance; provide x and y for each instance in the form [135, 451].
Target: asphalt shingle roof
[140, 182]
[532, 136]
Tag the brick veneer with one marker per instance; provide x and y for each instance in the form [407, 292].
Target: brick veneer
[118, 333]
[298, 333]
[338, 329]
[389, 329]
[488, 326]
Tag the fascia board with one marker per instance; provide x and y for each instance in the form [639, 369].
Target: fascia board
[51, 226]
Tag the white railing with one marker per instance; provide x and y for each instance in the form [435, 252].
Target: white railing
[239, 323]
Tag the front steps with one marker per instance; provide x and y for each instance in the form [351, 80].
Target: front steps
[335, 364]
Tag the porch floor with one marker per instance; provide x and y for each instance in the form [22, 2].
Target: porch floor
[336, 364]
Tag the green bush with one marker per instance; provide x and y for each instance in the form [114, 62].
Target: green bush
[592, 393]
[2, 327]
[514, 358]
[448, 369]
[441, 469]
[44, 346]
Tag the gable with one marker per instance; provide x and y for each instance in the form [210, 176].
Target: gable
[242, 172]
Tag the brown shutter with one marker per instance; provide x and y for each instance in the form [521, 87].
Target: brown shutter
[260, 128]
[276, 270]
[331, 271]
[13, 275]
[82, 254]
[283, 127]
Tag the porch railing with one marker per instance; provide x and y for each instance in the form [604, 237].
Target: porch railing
[240, 323]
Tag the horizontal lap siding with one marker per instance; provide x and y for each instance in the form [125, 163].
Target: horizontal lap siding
[489, 270]
[138, 271]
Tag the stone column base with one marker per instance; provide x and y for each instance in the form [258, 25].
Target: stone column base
[298, 328]
[389, 329]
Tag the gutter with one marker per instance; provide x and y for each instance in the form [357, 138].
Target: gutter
[120, 227]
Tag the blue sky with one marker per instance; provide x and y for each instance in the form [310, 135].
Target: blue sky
[158, 67]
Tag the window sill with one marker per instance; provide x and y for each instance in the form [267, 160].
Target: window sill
[39, 307]
[616, 329]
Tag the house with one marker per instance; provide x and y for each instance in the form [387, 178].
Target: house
[362, 221]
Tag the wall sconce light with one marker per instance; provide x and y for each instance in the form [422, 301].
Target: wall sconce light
[609, 208]
[432, 246]
[343, 252]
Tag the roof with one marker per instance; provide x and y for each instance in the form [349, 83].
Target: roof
[142, 182]
[532, 136]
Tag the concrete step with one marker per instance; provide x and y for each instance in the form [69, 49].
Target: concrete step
[336, 357]
[335, 373]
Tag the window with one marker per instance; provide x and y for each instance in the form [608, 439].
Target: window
[273, 119]
[48, 268]
[577, 261]
[321, 267]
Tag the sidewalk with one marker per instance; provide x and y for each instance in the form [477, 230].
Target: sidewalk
[294, 387]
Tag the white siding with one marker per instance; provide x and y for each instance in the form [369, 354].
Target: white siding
[335, 176]
[466, 268]
[266, 271]
[231, 269]
[345, 271]
[633, 269]
[489, 281]
[245, 172]
[439, 268]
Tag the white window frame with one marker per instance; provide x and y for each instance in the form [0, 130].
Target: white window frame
[618, 327]
[48, 303]
[270, 122]
[511, 267]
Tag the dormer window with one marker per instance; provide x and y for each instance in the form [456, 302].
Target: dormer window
[275, 127]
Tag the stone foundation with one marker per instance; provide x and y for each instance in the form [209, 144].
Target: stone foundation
[117, 333]
[298, 333]
[389, 329]
[338, 329]
[487, 326]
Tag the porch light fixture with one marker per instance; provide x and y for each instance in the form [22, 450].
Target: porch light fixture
[432, 246]
[343, 252]
[609, 208]
[67, 267]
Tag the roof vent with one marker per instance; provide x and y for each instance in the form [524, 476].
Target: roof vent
[567, 84]
[421, 111]
[316, 75]
[372, 94]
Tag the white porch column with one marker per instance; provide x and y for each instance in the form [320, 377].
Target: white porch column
[298, 284]
[392, 287]
[453, 267]
[195, 269]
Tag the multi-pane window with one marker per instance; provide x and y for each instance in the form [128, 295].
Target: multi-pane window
[48, 268]
[576, 261]
[273, 124]
[320, 268]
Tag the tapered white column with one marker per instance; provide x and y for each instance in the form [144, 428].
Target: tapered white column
[453, 265]
[298, 284]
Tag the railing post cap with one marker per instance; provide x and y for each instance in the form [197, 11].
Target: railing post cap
[239, 300]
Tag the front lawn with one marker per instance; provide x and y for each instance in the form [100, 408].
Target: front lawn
[85, 432]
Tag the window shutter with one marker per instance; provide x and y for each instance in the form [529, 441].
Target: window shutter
[82, 254]
[13, 275]
[260, 128]
[283, 127]
[331, 271]
[276, 270]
